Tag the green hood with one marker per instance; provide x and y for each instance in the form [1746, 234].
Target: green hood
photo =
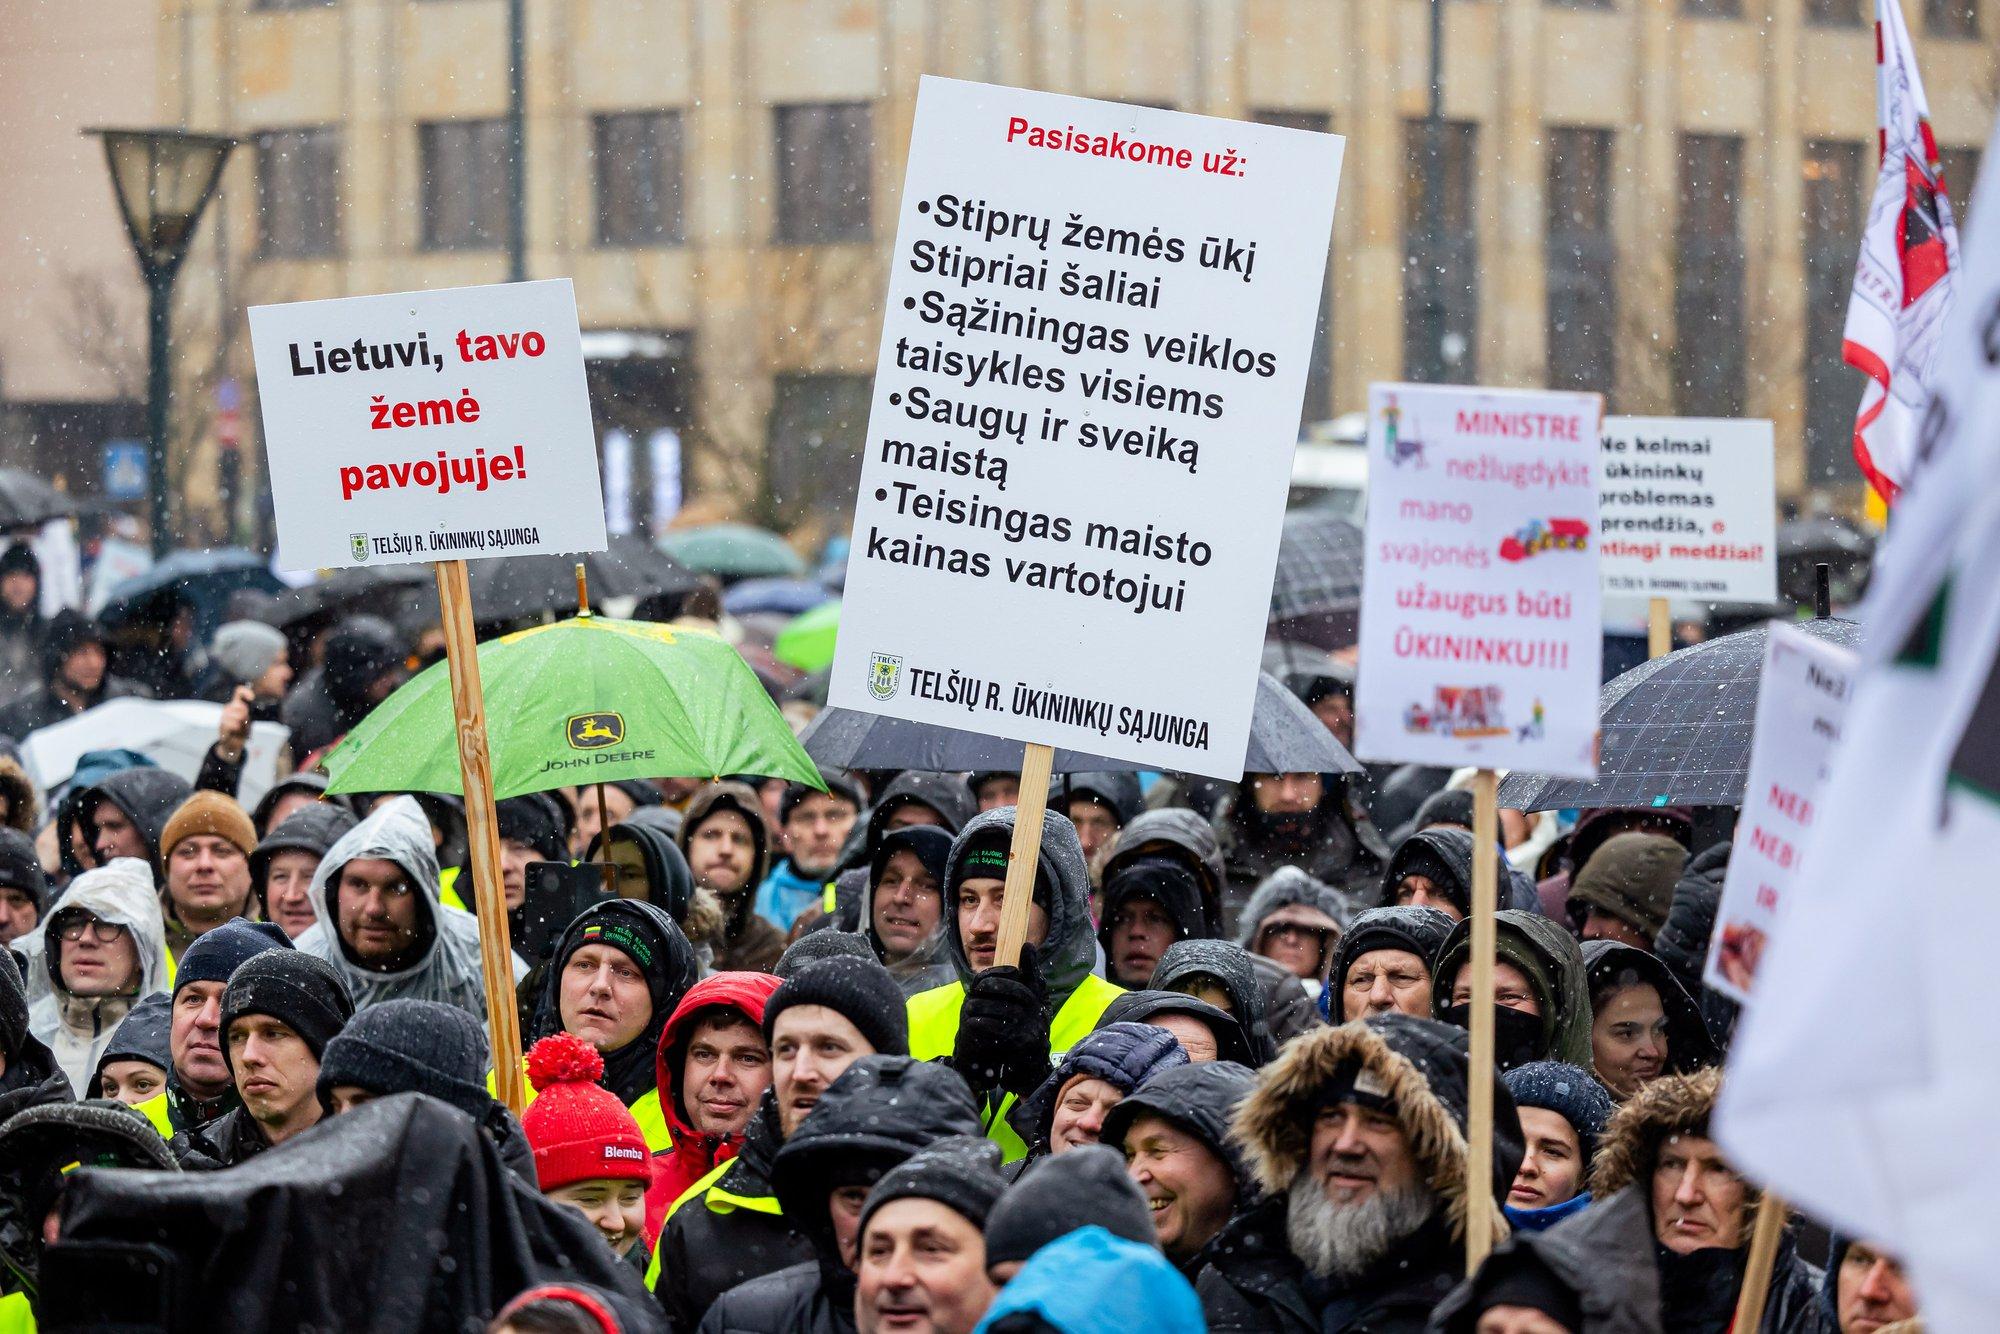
[1553, 961]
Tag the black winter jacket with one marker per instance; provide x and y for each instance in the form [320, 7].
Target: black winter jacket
[791, 1301]
[1255, 1285]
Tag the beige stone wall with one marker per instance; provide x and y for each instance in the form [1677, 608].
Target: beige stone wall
[754, 309]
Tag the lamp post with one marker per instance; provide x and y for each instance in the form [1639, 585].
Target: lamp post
[164, 179]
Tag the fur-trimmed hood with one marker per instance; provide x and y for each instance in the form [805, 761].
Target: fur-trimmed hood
[1670, 1105]
[1422, 1067]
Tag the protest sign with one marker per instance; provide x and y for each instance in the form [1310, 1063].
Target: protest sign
[423, 426]
[1801, 700]
[1480, 642]
[1688, 509]
[1098, 324]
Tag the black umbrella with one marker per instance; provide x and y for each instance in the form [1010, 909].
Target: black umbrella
[514, 586]
[1316, 591]
[1676, 731]
[202, 580]
[26, 501]
[396, 593]
[1284, 738]
[1301, 668]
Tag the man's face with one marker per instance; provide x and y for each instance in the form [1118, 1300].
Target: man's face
[721, 852]
[604, 998]
[194, 1037]
[1420, 891]
[208, 880]
[98, 958]
[727, 1069]
[83, 669]
[997, 790]
[18, 914]
[1384, 982]
[277, 678]
[1141, 931]
[1095, 824]
[18, 590]
[1298, 937]
[921, 1270]
[843, 1208]
[1189, 1189]
[1337, 712]
[275, 1070]
[1601, 925]
[286, 882]
[376, 910]
[131, 1082]
[1287, 794]
[1552, 1169]
[1080, 1112]
[1357, 1152]
[909, 813]
[1628, 1038]
[815, 830]
[1511, 989]
[907, 904]
[514, 858]
[1197, 1039]
[589, 819]
[1871, 1290]
[116, 835]
[811, 1046]
[1518, 1320]
[346, 1097]
[1698, 1200]
[291, 800]
[614, 1205]
[979, 921]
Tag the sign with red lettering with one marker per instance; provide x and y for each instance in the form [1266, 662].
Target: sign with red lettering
[1480, 634]
[423, 426]
[1801, 704]
[1689, 509]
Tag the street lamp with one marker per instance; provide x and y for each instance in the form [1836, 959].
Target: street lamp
[164, 179]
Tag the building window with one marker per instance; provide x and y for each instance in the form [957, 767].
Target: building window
[1440, 258]
[1713, 9]
[1318, 404]
[1961, 168]
[826, 159]
[464, 166]
[1951, 18]
[1708, 283]
[298, 192]
[1582, 301]
[1834, 13]
[639, 178]
[1838, 183]
[819, 425]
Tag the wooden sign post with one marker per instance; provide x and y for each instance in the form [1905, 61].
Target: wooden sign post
[1024, 855]
[482, 830]
[1479, 1202]
[1659, 628]
[1756, 1289]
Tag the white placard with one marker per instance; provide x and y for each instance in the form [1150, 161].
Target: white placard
[1801, 707]
[423, 426]
[1688, 509]
[1098, 324]
[1480, 635]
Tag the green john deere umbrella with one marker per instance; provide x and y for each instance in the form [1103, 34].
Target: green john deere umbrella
[587, 700]
[806, 642]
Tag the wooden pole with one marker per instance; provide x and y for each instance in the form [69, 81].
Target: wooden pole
[1757, 1270]
[1479, 1092]
[482, 829]
[1030, 806]
[1659, 628]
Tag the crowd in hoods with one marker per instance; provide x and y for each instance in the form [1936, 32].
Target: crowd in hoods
[780, 1078]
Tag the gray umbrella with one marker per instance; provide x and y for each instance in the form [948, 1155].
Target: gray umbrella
[1316, 588]
[1675, 731]
[1284, 738]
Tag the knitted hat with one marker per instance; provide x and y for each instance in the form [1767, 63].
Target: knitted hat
[410, 1046]
[815, 946]
[1568, 1091]
[21, 869]
[209, 813]
[1631, 876]
[533, 821]
[299, 990]
[247, 649]
[1060, 1194]
[861, 991]
[579, 1131]
[216, 955]
[961, 1173]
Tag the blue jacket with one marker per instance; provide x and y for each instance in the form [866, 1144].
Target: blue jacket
[1541, 1220]
[1091, 1282]
[785, 894]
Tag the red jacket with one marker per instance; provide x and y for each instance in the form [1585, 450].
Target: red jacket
[694, 1154]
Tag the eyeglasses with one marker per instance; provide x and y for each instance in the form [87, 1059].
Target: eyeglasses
[102, 932]
[1296, 931]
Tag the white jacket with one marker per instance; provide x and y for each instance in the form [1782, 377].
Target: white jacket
[78, 1028]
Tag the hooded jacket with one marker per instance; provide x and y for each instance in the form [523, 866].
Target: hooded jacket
[314, 829]
[1123, 1055]
[1597, 824]
[29, 1061]
[1414, 929]
[332, 698]
[308, 781]
[1188, 963]
[944, 794]
[1631, 876]
[1336, 844]
[1682, 944]
[1549, 956]
[1116, 790]
[1609, 964]
[1180, 833]
[748, 944]
[1444, 853]
[929, 965]
[446, 965]
[1167, 882]
[146, 1034]
[1254, 1282]
[148, 797]
[1601, 1255]
[1232, 1040]
[76, 1029]
[629, 1071]
[694, 1155]
[19, 794]
[1201, 1100]
[1284, 888]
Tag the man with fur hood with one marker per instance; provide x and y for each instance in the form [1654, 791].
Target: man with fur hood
[1356, 1137]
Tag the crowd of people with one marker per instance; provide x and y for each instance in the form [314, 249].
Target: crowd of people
[780, 1079]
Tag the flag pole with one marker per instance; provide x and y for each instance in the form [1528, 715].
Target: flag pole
[1479, 1203]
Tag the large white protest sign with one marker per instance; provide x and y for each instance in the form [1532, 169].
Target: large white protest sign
[1688, 509]
[423, 426]
[1480, 641]
[1098, 325]
[1801, 701]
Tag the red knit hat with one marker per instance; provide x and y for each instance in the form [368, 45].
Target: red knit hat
[579, 1131]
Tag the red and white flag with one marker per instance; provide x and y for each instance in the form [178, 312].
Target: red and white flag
[1903, 280]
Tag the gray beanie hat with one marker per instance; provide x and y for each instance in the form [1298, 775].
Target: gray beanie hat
[247, 649]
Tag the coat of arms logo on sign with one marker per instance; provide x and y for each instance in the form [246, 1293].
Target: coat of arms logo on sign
[885, 671]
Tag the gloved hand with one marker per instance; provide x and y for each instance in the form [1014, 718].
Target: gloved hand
[1003, 1028]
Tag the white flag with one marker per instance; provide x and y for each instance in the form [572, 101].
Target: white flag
[1903, 280]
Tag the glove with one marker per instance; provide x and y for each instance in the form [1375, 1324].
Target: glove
[1003, 1028]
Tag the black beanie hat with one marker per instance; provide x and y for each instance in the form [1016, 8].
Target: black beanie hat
[216, 955]
[931, 844]
[816, 946]
[1087, 1184]
[859, 990]
[21, 869]
[839, 783]
[1569, 1091]
[985, 858]
[410, 1046]
[299, 990]
[534, 821]
[962, 1173]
